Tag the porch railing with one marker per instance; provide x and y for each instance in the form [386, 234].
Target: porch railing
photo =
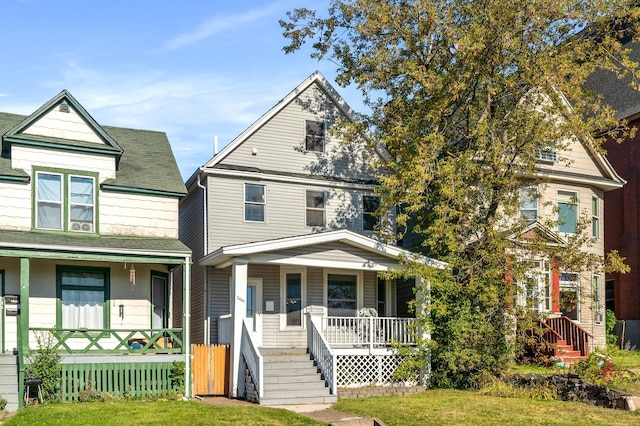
[322, 354]
[114, 341]
[572, 333]
[368, 331]
[253, 357]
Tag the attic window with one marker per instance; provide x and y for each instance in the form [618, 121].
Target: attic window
[64, 107]
[314, 136]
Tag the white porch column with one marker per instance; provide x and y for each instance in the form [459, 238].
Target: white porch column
[239, 271]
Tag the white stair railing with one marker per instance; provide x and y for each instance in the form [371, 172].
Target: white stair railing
[253, 357]
[322, 354]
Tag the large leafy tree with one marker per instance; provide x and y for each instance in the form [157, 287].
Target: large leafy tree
[464, 95]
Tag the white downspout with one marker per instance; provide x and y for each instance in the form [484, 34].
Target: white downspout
[205, 251]
[186, 341]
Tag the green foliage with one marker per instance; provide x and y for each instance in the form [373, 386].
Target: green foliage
[3, 403]
[44, 362]
[413, 365]
[610, 322]
[495, 387]
[176, 375]
[465, 96]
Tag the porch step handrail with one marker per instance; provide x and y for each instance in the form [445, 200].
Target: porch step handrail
[368, 331]
[253, 357]
[572, 333]
[75, 341]
[322, 354]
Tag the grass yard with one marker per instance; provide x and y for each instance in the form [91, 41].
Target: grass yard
[451, 407]
[175, 413]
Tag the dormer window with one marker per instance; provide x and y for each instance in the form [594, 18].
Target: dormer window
[65, 202]
[314, 140]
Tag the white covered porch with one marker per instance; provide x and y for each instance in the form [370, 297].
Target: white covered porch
[320, 293]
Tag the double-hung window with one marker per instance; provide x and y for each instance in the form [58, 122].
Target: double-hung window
[567, 211]
[315, 206]
[597, 300]
[65, 201]
[529, 204]
[254, 202]
[370, 205]
[314, 140]
[595, 217]
[83, 294]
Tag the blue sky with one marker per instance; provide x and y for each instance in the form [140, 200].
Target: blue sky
[193, 69]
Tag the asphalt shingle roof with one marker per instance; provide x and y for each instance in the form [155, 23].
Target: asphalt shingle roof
[147, 162]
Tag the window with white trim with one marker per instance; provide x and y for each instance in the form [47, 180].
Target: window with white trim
[342, 295]
[598, 312]
[595, 217]
[315, 208]
[254, 202]
[529, 203]
[569, 295]
[65, 201]
[370, 205]
[547, 154]
[567, 211]
[314, 136]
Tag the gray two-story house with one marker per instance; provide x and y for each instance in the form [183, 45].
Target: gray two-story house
[282, 226]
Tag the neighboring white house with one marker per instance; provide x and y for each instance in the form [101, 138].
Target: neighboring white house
[88, 247]
[282, 230]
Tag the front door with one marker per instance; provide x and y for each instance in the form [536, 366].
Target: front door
[159, 300]
[254, 297]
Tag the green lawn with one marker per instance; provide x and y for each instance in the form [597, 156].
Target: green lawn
[174, 413]
[451, 407]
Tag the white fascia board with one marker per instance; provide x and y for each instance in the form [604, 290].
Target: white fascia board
[287, 179]
[94, 250]
[321, 263]
[581, 180]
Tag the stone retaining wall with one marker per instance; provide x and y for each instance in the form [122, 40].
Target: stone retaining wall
[369, 391]
[571, 388]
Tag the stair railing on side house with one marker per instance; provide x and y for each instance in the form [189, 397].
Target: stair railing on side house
[322, 354]
[572, 333]
[253, 357]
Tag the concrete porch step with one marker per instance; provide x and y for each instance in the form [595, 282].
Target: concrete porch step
[329, 399]
[298, 378]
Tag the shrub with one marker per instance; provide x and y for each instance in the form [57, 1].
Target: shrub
[610, 323]
[3, 403]
[176, 375]
[44, 363]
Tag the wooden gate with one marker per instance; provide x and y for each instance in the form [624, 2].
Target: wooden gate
[210, 369]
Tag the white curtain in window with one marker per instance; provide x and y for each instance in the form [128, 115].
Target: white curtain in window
[82, 309]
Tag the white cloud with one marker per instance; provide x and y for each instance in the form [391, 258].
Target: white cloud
[220, 23]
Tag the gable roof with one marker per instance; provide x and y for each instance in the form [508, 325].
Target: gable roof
[225, 254]
[537, 230]
[617, 92]
[145, 161]
[315, 78]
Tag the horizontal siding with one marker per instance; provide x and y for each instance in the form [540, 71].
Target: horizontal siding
[315, 286]
[218, 298]
[16, 206]
[26, 158]
[63, 125]
[192, 235]
[370, 290]
[285, 212]
[138, 215]
[279, 143]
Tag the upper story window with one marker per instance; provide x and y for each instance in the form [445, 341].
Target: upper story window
[595, 217]
[314, 140]
[529, 203]
[370, 205]
[65, 202]
[548, 155]
[315, 206]
[254, 202]
[567, 211]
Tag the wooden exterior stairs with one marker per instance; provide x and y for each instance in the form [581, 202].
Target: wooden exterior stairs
[291, 377]
[563, 339]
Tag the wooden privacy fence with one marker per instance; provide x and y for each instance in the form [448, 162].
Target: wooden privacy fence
[210, 369]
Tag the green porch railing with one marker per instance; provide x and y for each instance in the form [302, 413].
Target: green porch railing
[116, 341]
[142, 379]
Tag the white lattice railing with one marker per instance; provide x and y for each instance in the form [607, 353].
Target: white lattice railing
[368, 331]
[370, 370]
[322, 354]
[253, 358]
